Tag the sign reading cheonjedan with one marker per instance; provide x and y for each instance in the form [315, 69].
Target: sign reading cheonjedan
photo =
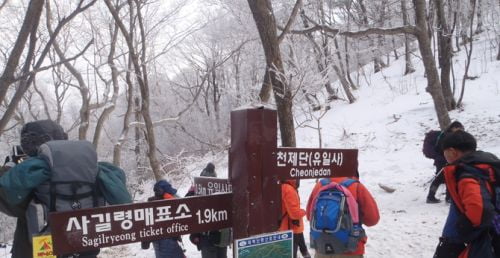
[86, 229]
[295, 163]
[211, 185]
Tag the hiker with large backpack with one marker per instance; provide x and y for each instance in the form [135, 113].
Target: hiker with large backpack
[472, 228]
[292, 216]
[168, 247]
[432, 150]
[58, 175]
[337, 209]
[212, 244]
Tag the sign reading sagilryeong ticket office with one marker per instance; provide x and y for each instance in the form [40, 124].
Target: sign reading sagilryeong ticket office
[86, 229]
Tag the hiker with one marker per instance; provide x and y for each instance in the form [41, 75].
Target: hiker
[168, 247]
[292, 216]
[472, 225]
[432, 150]
[359, 208]
[25, 188]
[212, 244]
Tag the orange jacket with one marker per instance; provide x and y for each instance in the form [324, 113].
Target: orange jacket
[368, 210]
[466, 194]
[290, 208]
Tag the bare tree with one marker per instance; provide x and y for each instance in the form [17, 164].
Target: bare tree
[263, 15]
[468, 51]
[408, 64]
[444, 35]
[421, 32]
[31, 65]
[141, 75]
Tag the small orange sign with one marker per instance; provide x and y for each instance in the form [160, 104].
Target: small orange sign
[42, 247]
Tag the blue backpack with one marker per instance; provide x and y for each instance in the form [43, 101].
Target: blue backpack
[335, 224]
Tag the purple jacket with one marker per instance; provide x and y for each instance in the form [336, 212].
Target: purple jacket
[432, 150]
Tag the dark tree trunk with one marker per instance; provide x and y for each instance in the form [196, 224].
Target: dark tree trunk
[444, 54]
[408, 64]
[433, 84]
[263, 15]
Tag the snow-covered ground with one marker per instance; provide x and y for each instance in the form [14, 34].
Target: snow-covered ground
[387, 124]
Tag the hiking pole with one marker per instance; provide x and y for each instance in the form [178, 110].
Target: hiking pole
[433, 178]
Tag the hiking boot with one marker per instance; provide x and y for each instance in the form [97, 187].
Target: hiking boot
[432, 199]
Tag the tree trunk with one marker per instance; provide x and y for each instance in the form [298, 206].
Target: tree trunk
[341, 66]
[30, 23]
[347, 64]
[265, 91]
[408, 64]
[318, 53]
[433, 84]
[117, 150]
[110, 107]
[345, 84]
[479, 27]
[468, 51]
[141, 75]
[444, 54]
[263, 15]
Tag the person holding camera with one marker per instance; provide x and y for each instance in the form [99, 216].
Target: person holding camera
[292, 216]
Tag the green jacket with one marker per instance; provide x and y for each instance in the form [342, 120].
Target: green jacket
[17, 184]
[22, 179]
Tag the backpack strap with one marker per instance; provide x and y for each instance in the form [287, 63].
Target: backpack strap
[349, 181]
[325, 181]
[352, 204]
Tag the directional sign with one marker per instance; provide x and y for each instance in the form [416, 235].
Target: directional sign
[273, 245]
[211, 185]
[295, 163]
[86, 229]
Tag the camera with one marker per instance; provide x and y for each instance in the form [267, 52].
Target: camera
[17, 154]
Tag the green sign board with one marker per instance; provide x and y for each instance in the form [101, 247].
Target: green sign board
[272, 245]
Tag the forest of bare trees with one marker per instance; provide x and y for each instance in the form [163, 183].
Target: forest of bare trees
[153, 82]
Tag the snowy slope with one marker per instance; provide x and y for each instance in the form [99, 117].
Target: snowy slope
[387, 124]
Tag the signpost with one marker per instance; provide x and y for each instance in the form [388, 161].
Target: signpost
[87, 229]
[211, 185]
[256, 166]
[302, 163]
[275, 245]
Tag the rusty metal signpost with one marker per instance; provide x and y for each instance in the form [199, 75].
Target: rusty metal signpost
[256, 165]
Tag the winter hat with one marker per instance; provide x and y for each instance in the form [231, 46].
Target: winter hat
[460, 140]
[161, 187]
[209, 170]
[454, 125]
[34, 134]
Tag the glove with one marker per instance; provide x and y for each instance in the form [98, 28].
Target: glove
[145, 245]
[194, 238]
[9, 162]
[446, 249]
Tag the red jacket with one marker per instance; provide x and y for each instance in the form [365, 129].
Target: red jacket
[368, 210]
[468, 197]
[290, 208]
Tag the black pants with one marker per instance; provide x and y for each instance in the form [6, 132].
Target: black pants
[438, 180]
[299, 243]
[213, 252]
